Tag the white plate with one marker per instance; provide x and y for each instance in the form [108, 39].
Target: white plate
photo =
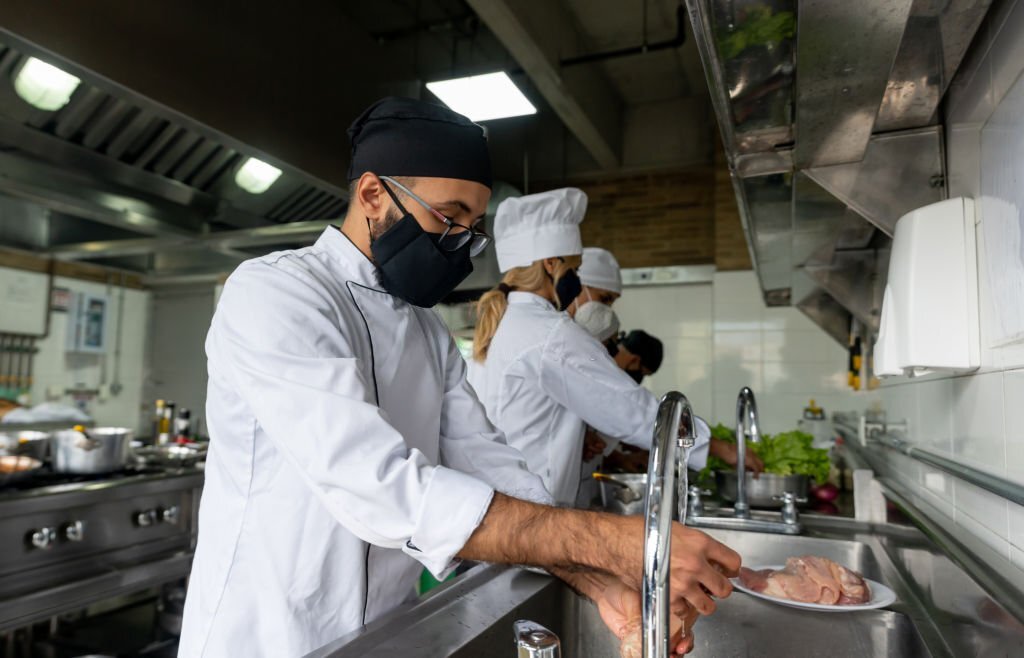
[881, 596]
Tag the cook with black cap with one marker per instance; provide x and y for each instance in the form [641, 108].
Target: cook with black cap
[347, 450]
[544, 378]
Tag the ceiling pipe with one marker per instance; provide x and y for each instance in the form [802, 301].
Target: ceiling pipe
[678, 40]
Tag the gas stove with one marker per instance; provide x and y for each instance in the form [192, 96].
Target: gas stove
[67, 541]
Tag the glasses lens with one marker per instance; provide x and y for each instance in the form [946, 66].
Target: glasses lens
[480, 242]
[454, 241]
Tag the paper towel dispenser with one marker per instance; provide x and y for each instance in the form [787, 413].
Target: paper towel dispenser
[930, 307]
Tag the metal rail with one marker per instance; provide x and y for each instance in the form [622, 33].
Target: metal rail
[999, 486]
[661, 488]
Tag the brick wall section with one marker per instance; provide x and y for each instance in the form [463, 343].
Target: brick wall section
[650, 220]
[684, 216]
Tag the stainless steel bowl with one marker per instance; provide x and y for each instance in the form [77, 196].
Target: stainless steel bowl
[761, 491]
[622, 493]
[27, 443]
[95, 450]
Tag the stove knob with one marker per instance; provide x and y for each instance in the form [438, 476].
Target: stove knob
[44, 537]
[146, 518]
[75, 531]
[171, 514]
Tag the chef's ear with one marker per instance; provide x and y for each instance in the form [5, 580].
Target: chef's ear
[551, 265]
[370, 196]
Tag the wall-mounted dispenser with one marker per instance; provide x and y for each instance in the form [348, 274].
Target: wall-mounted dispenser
[930, 308]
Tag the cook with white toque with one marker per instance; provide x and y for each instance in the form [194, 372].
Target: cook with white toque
[544, 378]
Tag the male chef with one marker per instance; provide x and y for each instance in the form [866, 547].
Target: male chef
[347, 451]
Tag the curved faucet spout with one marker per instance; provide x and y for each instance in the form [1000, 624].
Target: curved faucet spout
[673, 412]
[746, 426]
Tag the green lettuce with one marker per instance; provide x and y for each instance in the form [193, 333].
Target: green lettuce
[788, 453]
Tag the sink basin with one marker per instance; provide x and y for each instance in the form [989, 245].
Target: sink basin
[472, 617]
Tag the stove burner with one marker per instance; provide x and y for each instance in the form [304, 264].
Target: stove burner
[46, 477]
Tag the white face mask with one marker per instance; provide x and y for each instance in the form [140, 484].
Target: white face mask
[599, 320]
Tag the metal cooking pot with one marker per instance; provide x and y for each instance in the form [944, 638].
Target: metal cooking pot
[761, 491]
[96, 450]
[27, 443]
[622, 493]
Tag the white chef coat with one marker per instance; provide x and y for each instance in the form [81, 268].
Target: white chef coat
[347, 452]
[545, 377]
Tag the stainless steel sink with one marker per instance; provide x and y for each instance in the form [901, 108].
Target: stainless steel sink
[472, 617]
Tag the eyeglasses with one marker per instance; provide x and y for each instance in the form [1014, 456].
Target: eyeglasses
[476, 238]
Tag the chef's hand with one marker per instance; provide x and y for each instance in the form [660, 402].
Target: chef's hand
[622, 612]
[593, 445]
[729, 453]
[699, 569]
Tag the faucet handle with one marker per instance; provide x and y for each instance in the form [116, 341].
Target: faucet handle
[789, 498]
[790, 515]
[697, 492]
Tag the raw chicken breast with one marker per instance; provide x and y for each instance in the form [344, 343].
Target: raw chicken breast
[809, 579]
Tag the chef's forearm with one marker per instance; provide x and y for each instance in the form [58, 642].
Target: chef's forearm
[517, 532]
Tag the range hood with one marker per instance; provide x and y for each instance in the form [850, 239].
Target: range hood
[829, 115]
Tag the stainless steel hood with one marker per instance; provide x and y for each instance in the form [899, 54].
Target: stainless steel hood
[116, 179]
[829, 112]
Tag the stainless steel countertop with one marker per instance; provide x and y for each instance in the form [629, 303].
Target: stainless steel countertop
[941, 611]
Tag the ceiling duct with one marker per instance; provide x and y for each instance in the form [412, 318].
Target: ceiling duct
[828, 112]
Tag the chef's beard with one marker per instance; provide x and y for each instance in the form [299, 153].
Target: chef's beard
[391, 217]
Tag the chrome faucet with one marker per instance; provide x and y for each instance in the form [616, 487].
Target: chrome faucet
[746, 422]
[666, 451]
[534, 641]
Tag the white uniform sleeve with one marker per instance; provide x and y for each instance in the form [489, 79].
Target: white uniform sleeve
[279, 341]
[471, 444]
[578, 373]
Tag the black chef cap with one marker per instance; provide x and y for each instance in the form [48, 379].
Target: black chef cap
[407, 137]
[645, 346]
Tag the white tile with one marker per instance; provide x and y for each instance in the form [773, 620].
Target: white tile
[802, 347]
[940, 502]
[964, 148]
[737, 288]
[779, 412]
[737, 346]
[973, 102]
[1016, 514]
[813, 379]
[787, 318]
[1013, 397]
[731, 376]
[978, 431]
[737, 317]
[934, 419]
[986, 508]
[1017, 559]
[983, 534]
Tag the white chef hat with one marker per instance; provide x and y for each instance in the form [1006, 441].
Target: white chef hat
[600, 270]
[538, 226]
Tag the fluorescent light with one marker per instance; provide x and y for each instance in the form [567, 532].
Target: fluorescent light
[483, 97]
[256, 176]
[43, 85]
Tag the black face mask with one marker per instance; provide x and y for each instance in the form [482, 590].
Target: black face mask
[414, 268]
[567, 289]
[636, 375]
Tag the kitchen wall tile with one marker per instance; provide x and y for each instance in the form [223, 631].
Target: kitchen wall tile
[1013, 396]
[779, 412]
[737, 288]
[732, 376]
[1017, 560]
[986, 508]
[965, 169]
[787, 318]
[933, 425]
[737, 317]
[979, 435]
[1016, 516]
[900, 403]
[803, 347]
[813, 378]
[983, 534]
[731, 346]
